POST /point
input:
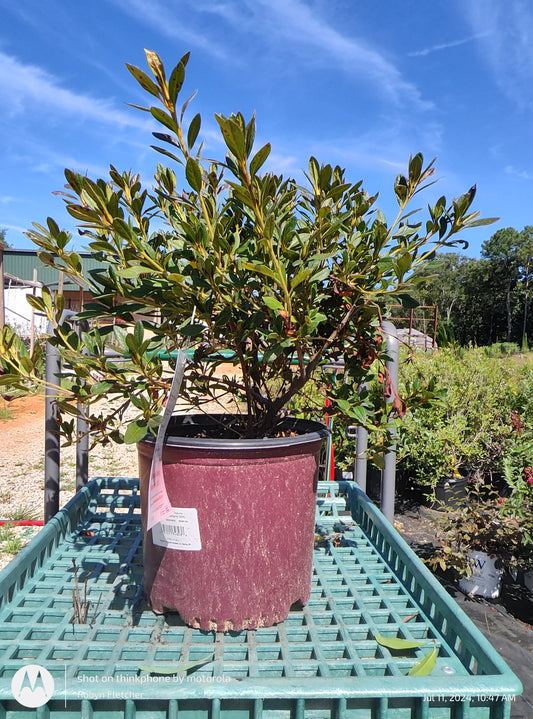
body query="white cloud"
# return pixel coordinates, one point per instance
(506, 33)
(292, 24)
(168, 19)
(296, 22)
(28, 85)
(446, 45)
(522, 174)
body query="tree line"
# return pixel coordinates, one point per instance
(485, 300)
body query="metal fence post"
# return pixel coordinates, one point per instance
(82, 450)
(388, 486)
(52, 444)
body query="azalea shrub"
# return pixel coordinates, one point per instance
(489, 523)
(481, 426)
(282, 277)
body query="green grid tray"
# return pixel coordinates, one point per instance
(323, 662)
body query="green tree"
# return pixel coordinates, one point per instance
(444, 289)
(502, 251)
(526, 261)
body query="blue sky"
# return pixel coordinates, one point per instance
(361, 84)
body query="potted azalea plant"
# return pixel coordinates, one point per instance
(270, 283)
(482, 537)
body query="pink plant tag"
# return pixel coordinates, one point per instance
(159, 507)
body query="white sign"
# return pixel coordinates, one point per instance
(180, 530)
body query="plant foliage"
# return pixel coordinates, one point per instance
(279, 278)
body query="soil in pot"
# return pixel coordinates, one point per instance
(237, 553)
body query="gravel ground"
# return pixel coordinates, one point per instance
(22, 469)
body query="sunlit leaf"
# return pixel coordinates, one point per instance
(398, 643)
(425, 666)
(135, 431)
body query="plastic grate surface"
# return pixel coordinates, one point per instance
(323, 661)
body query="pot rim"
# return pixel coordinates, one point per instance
(309, 431)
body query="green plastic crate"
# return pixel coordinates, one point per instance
(323, 662)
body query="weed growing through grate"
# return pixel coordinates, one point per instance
(82, 605)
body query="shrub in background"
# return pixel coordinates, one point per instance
(468, 432)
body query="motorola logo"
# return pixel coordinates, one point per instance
(32, 685)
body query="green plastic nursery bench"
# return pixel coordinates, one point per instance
(333, 659)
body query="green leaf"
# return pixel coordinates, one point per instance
(192, 330)
(164, 119)
(314, 170)
(484, 221)
(83, 213)
(139, 333)
(166, 153)
(36, 303)
(415, 167)
(425, 666)
(101, 387)
(403, 264)
(262, 269)
(359, 413)
(177, 77)
(300, 277)
(178, 668)
(135, 431)
(397, 643)
(233, 135)
(193, 173)
(132, 271)
(259, 158)
(194, 129)
(408, 302)
(144, 81)
(273, 303)
(46, 258)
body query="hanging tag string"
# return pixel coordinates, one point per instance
(159, 507)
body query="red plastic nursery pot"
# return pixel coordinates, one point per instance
(237, 552)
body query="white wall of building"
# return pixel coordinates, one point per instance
(18, 312)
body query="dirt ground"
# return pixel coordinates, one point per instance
(22, 468)
(26, 419)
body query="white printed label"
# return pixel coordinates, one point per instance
(180, 530)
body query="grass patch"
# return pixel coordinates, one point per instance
(5, 414)
(23, 514)
(10, 542)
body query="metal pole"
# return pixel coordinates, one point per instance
(82, 430)
(388, 487)
(361, 446)
(51, 437)
(2, 305)
(82, 450)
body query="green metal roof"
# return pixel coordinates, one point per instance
(21, 263)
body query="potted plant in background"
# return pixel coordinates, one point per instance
(277, 279)
(483, 537)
